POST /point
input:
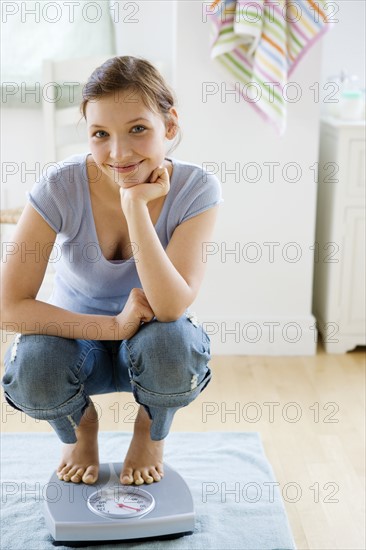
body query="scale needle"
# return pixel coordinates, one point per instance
(125, 506)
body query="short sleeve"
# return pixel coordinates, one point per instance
(49, 197)
(200, 194)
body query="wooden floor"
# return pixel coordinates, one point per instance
(310, 412)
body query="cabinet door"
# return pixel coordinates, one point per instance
(356, 169)
(352, 295)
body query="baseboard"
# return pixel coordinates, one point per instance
(262, 335)
(338, 337)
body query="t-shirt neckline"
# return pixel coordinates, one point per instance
(116, 263)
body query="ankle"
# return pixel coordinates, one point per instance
(143, 421)
(90, 415)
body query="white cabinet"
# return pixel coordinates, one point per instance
(339, 263)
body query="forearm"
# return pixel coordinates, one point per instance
(35, 317)
(166, 290)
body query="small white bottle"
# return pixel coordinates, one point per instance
(332, 93)
(351, 106)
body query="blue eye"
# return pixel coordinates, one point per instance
(138, 126)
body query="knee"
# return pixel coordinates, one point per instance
(172, 354)
(175, 343)
(33, 370)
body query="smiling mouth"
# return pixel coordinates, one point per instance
(127, 168)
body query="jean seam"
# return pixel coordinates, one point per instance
(83, 357)
(26, 409)
(131, 357)
(204, 380)
(115, 370)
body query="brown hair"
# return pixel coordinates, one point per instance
(128, 73)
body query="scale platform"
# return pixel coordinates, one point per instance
(108, 511)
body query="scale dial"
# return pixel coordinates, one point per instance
(121, 502)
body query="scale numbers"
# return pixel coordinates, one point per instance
(121, 502)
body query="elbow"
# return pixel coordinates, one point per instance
(169, 316)
(170, 312)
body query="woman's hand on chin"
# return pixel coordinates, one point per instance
(158, 186)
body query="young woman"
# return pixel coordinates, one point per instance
(128, 224)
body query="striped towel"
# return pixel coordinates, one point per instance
(260, 44)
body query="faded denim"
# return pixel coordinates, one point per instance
(51, 378)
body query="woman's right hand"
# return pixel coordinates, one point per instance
(137, 310)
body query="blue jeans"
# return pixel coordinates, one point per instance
(165, 365)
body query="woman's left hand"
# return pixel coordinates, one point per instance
(158, 186)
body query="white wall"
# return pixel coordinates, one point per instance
(21, 152)
(148, 29)
(345, 46)
(240, 298)
(236, 295)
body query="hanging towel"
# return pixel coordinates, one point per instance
(260, 43)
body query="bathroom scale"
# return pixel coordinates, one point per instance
(76, 513)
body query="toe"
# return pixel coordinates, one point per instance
(126, 480)
(126, 476)
(138, 478)
(61, 466)
(154, 474)
(72, 471)
(91, 475)
(64, 473)
(62, 470)
(78, 475)
(147, 477)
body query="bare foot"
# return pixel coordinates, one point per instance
(144, 459)
(80, 461)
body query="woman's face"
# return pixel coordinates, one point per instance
(126, 139)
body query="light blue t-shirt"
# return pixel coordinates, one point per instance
(85, 281)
